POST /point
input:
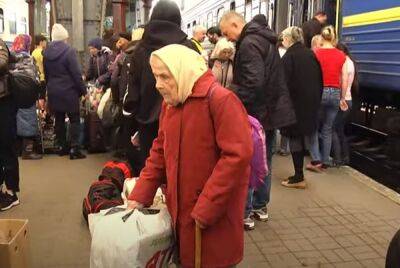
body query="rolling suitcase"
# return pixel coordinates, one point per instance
(94, 133)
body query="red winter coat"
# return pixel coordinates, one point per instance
(202, 153)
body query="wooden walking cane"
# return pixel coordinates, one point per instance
(197, 258)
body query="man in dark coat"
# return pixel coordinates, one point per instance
(143, 100)
(313, 27)
(9, 170)
(64, 88)
(304, 79)
(258, 80)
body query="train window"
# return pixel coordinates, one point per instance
(209, 20)
(248, 11)
(1, 20)
(233, 5)
(12, 21)
(194, 23)
(220, 12)
(22, 27)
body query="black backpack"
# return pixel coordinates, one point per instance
(102, 195)
(24, 81)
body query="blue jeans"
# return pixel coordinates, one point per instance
(312, 144)
(329, 109)
(340, 146)
(258, 199)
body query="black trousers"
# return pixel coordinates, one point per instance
(74, 120)
(297, 149)
(9, 169)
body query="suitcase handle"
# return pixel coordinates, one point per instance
(197, 260)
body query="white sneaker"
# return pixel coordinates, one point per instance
(249, 224)
(261, 214)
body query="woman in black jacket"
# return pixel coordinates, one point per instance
(304, 80)
(143, 100)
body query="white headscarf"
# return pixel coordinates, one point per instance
(186, 66)
(222, 44)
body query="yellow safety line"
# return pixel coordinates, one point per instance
(373, 17)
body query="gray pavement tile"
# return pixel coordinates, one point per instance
(252, 260)
(256, 235)
(320, 221)
(366, 255)
(292, 245)
(381, 249)
(359, 249)
(270, 244)
(352, 264)
(343, 254)
(305, 244)
(336, 230)
(289, 259)
(312, 257)
(291, 236)
(355, 240)
(369, 264)
(251, 249)
(254, 265)
(274, 250)
(331, 256)
(343, 241)
(367, 238)
(380, 262)
(322, 243)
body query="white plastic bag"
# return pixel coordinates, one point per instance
(103, 102)
(129, 184)
(141, 241)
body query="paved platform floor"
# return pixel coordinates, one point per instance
(337, 222)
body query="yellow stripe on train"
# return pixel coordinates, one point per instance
(373, 17)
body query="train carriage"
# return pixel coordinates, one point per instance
(372, 32)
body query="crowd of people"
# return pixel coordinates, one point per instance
(183, 115)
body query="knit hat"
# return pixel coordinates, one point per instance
(59, 33)
(125, 35)
(96, 43)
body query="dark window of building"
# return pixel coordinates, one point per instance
(1, 20)
(233, 5)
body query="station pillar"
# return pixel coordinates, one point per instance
(119, 13)
(31, 5)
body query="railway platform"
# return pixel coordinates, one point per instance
(343, 219)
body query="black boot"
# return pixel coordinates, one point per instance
(27, 152)
(75, 153)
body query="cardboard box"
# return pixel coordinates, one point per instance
(14, 243)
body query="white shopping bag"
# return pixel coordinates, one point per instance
(131, 239)
(129, 184)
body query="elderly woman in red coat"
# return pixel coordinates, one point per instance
(202, 153)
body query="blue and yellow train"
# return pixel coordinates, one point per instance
(371, 29)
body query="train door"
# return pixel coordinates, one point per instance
(267, 7)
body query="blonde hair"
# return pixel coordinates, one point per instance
(315, 40)
(328, 34)
(137, 34)
(294, 33)
(232, 15)
(222, 44)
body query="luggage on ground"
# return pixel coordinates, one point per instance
(94, 133)
(139, 238)
(117, 172)
(102, 195)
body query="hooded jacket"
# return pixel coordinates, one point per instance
(258, 76)
(119, 77)
(63, 77)
(98, 67)
(143, 99)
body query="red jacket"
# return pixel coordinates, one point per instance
(202, 153)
